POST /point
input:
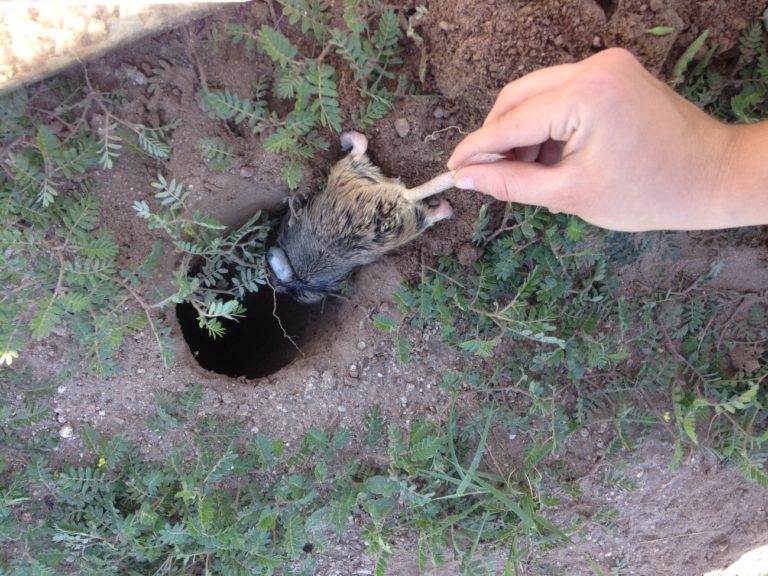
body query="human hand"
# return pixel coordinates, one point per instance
(607, 141)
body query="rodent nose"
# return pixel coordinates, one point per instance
(280, 264)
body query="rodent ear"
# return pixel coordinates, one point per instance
(280, 264)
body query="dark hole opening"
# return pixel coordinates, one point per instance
(254, 346)
(608, 6)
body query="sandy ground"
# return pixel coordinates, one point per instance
(698, 519)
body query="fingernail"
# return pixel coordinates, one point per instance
(464, 183)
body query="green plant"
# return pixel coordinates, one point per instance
(218, 154)
(173, 410)
(59, 264)
(544, 305)
(309, 83)
(739, 93)
(223, 506)
(228, 265)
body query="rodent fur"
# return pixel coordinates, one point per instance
(359, 216)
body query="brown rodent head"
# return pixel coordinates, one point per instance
(359, 216)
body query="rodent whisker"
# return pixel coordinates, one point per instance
(277, 317)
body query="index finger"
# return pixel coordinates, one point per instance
(549, 116)
(529, 86)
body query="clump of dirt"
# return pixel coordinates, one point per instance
(474, 49)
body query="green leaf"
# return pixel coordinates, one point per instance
(341, 509)
(353, 19)
(294, 537)
(218, 153)
(403, 350)
(484, 348)
(47, 142)
(678, 72)
(281, 141)
(379, 508)
(227, 105)
(576, 229)
(382, 486)
(264, 449)
(287, 81)
(277, 46)
(47, 316)
(313, 15)
(387, 35)
(152, 144)
(110, 145)
(292, 173)
(426, 449)
(384, 322)
(322, 82)
(660, 30)
(374, 424)
(689, 425)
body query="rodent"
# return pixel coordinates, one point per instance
(359, 216)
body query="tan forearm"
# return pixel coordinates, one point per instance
(740, 196)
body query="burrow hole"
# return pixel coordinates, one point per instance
(608, 6)
(257, 346)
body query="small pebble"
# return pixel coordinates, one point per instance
(247, 171)
(133, 73)
(597, 42)
(402, 127)
(66, 432)
(353, 372)
(438, 112)
(446, 26)
(61, 389)
(361, 345)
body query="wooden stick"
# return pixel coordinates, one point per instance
(444, 181)
(435, 186)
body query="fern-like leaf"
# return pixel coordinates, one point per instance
(110, 145)
(292, 174)
(218, 154)
(280, 141)
(350, 48)
(374, 110)
(170, 194)
(287, 81)
(752, 43)
(151, 143)
(678, 72)
(277, 46)
(227, 105)
(239, 32)
(322, 79)
(313, 14)
(294, 536)
(387, 37)
(47, 315)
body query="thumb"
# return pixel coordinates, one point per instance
(523, 182)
